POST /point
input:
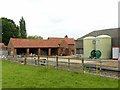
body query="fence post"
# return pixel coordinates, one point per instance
(25, 61)
(35, 61)
(83, 65)
(57, 62)
(69, 63)
(100, 65)
(38, 59)
(96, 68)
(47, 61)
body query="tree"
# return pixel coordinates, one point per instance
(66, 36)
(35, 37)
(22, 28)
(9, 30)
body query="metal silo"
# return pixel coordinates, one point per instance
(88, 46)
(103, 43)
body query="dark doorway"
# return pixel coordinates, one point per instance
(21, 51)
(44, 52)
(33, 51)
(54, 51)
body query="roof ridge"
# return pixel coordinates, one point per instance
(28, 39)
(107, 29)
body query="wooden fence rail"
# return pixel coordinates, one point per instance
(73, 64)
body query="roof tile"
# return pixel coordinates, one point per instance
(50, 42)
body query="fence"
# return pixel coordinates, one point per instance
(78, 65)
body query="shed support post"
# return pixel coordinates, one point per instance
(49, 52)
(58, 51)
(27, 51)
(38, 51)
(15, 51)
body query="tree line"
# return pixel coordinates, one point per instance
(11, 30)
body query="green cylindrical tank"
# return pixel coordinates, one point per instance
(88, 46)
(103, 43)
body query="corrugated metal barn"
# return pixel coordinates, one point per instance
(114, 33)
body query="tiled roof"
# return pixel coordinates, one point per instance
(70, 40)
(59, 40)
(31, 43)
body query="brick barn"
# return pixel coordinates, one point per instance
(3, 49)
(2, 46)
(49, 47)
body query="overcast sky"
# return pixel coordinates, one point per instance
(57, 18)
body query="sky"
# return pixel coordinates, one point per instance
(57, 18)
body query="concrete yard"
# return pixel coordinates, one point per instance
(106, 63)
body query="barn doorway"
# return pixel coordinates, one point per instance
(21, 51)
(44, 52)
(33, 51)
(54, 51)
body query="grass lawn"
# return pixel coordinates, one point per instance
(25, 76)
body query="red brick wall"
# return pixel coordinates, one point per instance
(72, 49)
(3, 48)
(10, 47)
(67, 49)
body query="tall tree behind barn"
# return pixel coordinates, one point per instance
(23, 33)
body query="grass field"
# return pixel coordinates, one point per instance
(25, 76)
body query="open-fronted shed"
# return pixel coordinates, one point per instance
(51, 46)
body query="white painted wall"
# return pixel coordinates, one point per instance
(115, 52)
(3, 52)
